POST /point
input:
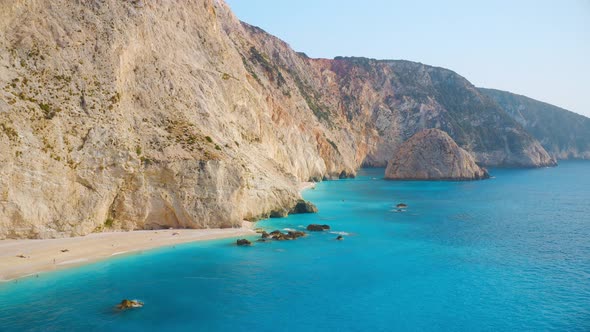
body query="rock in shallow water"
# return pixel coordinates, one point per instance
(280, 236)
(243, 242)
(318, 228)
(129, 304)
(433, 155)
(295, 234)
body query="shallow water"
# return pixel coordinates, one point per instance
(510, 253)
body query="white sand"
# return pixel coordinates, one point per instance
(47, 255)
(303, 186)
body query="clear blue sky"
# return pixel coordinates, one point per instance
(540, 49)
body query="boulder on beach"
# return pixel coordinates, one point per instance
(318, 228)
(433, 155)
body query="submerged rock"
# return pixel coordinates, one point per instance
(303, 206)
(318, 228)
(243, 242)
(280, 236)
(295, 234)
(129, 304)
(433, 155)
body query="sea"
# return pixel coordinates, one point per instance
(511, 253)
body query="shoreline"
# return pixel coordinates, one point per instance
(303, 186)
(46, 255)
(39, 256)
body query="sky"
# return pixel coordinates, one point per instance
(540, 49)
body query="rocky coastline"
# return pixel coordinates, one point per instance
(202, 124)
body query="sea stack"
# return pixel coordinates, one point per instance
(433, 155)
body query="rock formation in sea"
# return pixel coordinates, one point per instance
(280, 236)
(243, 242)
(123, 115)
(564, 134)
(318, 228)
(433, 155)
(129, 304)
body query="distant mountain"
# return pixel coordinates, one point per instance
(405, 97)
(564, 134)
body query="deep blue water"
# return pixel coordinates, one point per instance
(507, 254)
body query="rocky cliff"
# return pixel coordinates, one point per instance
(389, 101)
(433, 155)
(147, 114)
(564, 134)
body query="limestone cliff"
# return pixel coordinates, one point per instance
(433, 155)
(147, 114)
(136, 114)
(564, 134)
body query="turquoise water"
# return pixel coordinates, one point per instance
(507, 254)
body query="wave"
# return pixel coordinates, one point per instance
(341, 233)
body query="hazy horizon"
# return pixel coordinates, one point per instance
(531, 48)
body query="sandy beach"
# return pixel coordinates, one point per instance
(20, 258)
(306, 185)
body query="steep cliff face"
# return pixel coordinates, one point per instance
(132, 114)
(433, 155)
(147, 114)
(564, 134)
